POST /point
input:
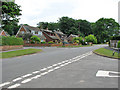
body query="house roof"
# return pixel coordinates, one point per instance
(47, 30)
(4, 31)
(59, 32)
(41, 36)
(29, 28)
(74, 35)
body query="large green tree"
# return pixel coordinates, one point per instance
(84, 27)
(67, 24)
(104, 28)
(9, 17)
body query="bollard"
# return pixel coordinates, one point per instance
(113, 53)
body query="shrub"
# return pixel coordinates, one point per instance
(50, 42)
(78, 39)
(118, 46)
(10, 40)
(91, 38)
(35, 39)
(43, 42)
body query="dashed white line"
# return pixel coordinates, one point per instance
(3, 84)
(49, 67)
(35, 72)
(26, 80)
(17, 79)
(50, 70)
(43, 69)
(14, 86)
(27, 75)
(44, 73)
(35, 77)
(54, 65)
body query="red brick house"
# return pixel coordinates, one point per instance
(30, 29)
(50, 36)
(3, 33)
(70, 38)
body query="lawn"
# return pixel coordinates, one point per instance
(19, 53)
(106, 52)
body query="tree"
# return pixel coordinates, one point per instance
(91, 38)
(84, 27)
(65, 24)
(9, 17)
(25, 36)
(42, 25)
(104, 28)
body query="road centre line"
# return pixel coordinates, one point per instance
(14, 86)
(63, 63)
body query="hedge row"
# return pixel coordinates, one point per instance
(115, 38)
(10, 41)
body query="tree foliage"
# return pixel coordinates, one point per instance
(35, 39)
(91, 38)
(9, 17)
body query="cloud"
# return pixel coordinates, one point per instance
(34, 11)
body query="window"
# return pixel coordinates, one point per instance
(36, 32)
(40, 33)
(22, 32)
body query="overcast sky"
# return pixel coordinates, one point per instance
(34, 11)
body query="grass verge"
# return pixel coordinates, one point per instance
(18, 53)
(106, 52)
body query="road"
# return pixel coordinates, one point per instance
(59, 68)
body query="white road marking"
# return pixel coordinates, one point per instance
(54, 65)
(50, 70)
(49, 67)
(17, 79)
(3, 84)
(63, 63)
(35, 77)
(14, 86)
(36, 72)
(43, 69)
(44, 73)
(56, 68)
(27, 75)
(102, 73)
(26, 80)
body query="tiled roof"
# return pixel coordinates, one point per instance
(29, 28)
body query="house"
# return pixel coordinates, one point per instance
(50, 36)
(61, 36)
(3, 33)
(30, 29)
(70, 38)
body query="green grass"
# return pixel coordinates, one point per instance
(74, 46)
(106, 52)
(18, 53)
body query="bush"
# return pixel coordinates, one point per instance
(91, 38)
(118, 46)
(50, 42)
(78, 40)
(10, 41)
(35, 39)
(43, 42)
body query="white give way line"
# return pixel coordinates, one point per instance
(37, 74)
(102, 73)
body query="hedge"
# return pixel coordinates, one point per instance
(115, 38)
(118, 44)
(10, 41)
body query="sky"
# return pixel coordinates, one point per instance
(35, 11)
